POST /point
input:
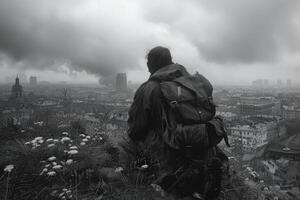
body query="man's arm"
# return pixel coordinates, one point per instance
(138, 117)
(145, 112)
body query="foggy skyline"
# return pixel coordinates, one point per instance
(232, 42)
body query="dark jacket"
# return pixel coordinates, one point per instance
(148, 111)
(150, 129)
(145, 113)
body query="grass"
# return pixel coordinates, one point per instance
(48, 169)
(36, 176)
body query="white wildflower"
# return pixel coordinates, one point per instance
(119, 169)
(48, 165)
(82, 143)
(85, 140)
(41, 141)
(44, 170)
(27, 143)
(65, 133)
(49, 140)
(144, 166)
(38, 138)
(88, 137)
(51, 173)
(54, 163)
(65, 151)
(73, 147)
(61, 194)
(51, 145)
(100, 138)
(73, 152)
(52, 158)
(9, 168)
(65, 139)
(64, 189)
(55, 140)
(82, 135)
(69, 161)
(57, 167)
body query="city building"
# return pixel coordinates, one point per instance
(266, 82)
(258, 106)
(227, 116)
(258, 83)
(279, 83)
(121, 82)
(290, 112)
(33, 81)
(17, 89)
(256, 132)
(250, 137)
(288, 83)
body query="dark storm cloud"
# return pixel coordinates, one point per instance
(255, 31)
(103, 37)
(41, 34)
(233, 31)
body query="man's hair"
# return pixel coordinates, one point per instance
(158, 57)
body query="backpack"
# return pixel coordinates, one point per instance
(189, 100)
(188, 108)
(190, 114)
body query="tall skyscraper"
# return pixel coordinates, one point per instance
(258, 83)
(288, 83)
(17, 89)
(33, 80)
(266, 82)
(121, 82)
(279, 83)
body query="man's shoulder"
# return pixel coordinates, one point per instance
(148, 88)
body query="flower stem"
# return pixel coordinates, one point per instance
(7, 185)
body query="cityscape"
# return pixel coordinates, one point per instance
(149, 100)
(262, 123)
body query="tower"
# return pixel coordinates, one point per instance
(266, 82)
(33, 80)
(288, 83)
(17, 89)
(279, 83)
(121, 82)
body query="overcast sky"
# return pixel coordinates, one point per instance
(230, 42)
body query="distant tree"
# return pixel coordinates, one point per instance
(77, 127)
(292, 126)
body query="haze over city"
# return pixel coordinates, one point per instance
(96, 102)
(232, 42)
